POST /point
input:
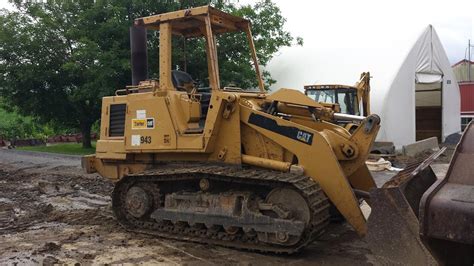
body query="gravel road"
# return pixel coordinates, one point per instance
(51, 212)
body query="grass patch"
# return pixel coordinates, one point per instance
(62, 148)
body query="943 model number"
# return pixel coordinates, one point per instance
(145, 140)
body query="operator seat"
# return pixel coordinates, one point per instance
(182, 81)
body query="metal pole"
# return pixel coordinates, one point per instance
(469, 60)
(347, 117)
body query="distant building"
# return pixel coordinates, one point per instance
(461, 72)
(466, 88)
(423, 98)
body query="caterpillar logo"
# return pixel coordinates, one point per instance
(287, 131)
(304, 136)
(150, 123)
(147, 123)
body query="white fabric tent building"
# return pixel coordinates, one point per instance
(423, 99)
(413, 87)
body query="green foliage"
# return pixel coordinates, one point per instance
(13, 125)
(63, 148)
(235, 64)
(59, 58)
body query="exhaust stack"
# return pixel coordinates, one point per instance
(139, 57)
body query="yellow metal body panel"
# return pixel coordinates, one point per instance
(186, 112)
(159, 135)
(111, 149)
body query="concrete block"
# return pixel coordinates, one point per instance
(383, 147)
(421, 146)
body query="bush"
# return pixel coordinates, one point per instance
(13, 125)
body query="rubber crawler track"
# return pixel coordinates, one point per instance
(309, 189)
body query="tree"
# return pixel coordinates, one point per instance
(59, 58)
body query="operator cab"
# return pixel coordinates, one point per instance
(188, 60)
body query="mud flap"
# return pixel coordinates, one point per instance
(87, 163)
(393, 226)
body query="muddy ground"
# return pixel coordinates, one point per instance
(51, 212)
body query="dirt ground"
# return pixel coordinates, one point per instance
(51, 212)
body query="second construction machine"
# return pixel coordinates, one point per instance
(352, 100)
(225, 165)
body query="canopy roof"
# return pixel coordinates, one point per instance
(189, 22)
(328, 87)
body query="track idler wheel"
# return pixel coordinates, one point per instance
(138, 202)
(291, 201)
(287, 204)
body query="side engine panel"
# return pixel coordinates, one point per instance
(148, 124)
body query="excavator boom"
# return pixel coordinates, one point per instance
(363, 92)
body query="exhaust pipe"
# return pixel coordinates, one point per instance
(139, 57)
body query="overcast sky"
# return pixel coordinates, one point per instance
(350, 21)
(342, 38)
(4, 4)
(453, 20)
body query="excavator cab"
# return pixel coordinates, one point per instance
(345, 97)
(351, 100)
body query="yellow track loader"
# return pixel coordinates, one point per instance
(231, 166)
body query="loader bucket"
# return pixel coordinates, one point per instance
(419, 220)
(393, 227)
(447, 208)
